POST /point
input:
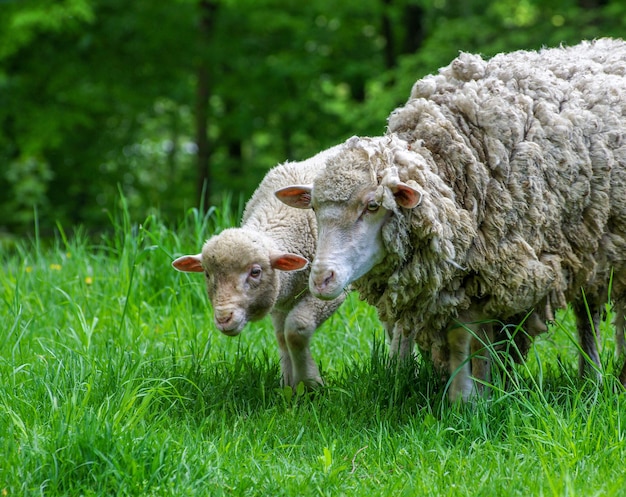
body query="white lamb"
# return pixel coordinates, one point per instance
(498, 189)
(258, 269)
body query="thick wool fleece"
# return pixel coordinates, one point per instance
(521, 161)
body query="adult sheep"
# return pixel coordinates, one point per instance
(254, 270)
(499, 188)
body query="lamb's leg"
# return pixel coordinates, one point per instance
(302, 321)
(588, 338)
(278, 319)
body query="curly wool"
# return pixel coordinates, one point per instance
(521, 161)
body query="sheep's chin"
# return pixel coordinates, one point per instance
(327, 293)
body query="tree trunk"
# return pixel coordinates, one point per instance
(203, 92)
(413, 20)
(389, 52)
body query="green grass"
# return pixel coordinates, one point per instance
(113, 381)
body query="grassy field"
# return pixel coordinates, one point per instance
(113, 381)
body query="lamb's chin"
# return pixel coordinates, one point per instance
(231, 333)
(231, 329)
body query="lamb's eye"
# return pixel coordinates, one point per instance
(373, 206)
(255, 272)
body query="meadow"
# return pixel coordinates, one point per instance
(114, 381)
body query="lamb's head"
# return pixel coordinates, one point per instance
(353, 198)
(241, 271)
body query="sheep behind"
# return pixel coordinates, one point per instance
(521, 109)
(497, 190)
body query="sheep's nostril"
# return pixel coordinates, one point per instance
(328, 279)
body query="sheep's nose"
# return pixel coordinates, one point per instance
(322, 279)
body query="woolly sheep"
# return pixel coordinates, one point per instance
(253, 270)
(498, 188)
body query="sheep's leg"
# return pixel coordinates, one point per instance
(619, 323)
(461, 384)
(300, 325)
(401, 342)
(588, 338)
(620, 346)
(481, 356)
(286, 368)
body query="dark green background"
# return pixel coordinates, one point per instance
(152, 99)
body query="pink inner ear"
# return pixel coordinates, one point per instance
(189, 264)
(406, 196)
(289, 262)
(295, 196)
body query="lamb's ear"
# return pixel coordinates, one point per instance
(288, 262)
(298, 196)
(406, 196)
(189, 263)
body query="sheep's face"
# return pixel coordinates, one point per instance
(351, 204)
(241, 275)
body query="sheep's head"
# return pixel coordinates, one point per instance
(241, 271)
(352, 198)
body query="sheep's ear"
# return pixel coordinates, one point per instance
(406, 196)
(189, 263)
(298, 196)
(288, 262)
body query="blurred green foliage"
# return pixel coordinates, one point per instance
(98, 96)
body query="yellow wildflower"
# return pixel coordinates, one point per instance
(88, 280)
(55, 267)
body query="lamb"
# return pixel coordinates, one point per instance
(498, 189)
(259, 268)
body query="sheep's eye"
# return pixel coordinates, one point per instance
(373, 206)
(255, 272)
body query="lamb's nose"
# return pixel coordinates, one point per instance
(223, 319)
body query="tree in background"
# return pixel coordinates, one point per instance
(165, 100)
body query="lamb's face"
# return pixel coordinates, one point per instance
(241, 275)
(240, 282)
